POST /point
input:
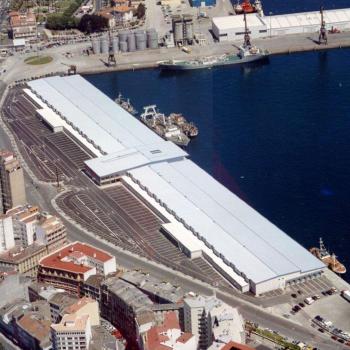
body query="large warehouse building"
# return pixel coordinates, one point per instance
(231, 28)
(203, 216)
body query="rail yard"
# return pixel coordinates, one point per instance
(115, 213)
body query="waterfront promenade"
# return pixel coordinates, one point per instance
(17, 69)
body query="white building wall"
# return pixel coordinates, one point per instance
(7, 239)
(110, 266)
(41, 235)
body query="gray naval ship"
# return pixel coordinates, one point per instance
(247, 53)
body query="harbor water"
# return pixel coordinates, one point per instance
(276, 134)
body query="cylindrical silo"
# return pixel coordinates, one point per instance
(141, 40)
(131, 42)
(115, 44)
(123, 34)
(152, 39)
(189, 31)
(123, 45)
(178, 32)
(104, 45)
(96, 46)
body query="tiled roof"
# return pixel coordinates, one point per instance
(55, 260)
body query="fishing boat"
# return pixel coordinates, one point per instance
(329, 259)
(164, 126)
(125, 104)
(247, 7)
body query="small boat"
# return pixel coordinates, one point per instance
(247, 7)
(189, 128)
(329, 259)
(125, 104)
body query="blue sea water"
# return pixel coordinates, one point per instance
(276, 134)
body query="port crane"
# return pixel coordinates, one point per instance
(322, 39)
(72, 68)
(247, 43)
(111, 57)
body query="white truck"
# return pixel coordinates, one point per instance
(346, 295)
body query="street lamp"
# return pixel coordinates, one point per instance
(270, 14)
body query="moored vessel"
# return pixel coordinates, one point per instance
(329, 259)
(164, 126)
(247, 7)
(125, 104)
(247, 53)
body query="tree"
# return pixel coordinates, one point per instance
(92, 23)
(140, 11)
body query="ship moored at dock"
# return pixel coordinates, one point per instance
(329, 259)
(164, 126)
(247, 53)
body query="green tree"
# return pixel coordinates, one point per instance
(92, 23)
(140, 11)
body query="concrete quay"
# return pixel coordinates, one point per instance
(16, 68)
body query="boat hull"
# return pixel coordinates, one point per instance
(184, 66)
(332, 264)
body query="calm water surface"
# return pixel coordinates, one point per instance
(278, 134)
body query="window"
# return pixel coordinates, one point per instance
(263, 31)
(242, 33)
(222, 35)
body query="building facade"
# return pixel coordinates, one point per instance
(11, 181)
(24, 260)
(73, 332)
(127, 308)
(7, 240)
(22, 25)
(69, 267)
(24, 219)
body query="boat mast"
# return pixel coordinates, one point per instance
(247, 43)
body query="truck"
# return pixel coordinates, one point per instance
(346, 295)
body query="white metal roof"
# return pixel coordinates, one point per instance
(250, 242)
(228, 22)
(124, 160)
(93, 112)
(256, 247)
(304, 19)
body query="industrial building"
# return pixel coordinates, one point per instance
(231, 28)
(203, 216)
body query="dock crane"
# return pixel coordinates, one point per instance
(322, 39)
(247, 43)
(72, 68)
(111, 57)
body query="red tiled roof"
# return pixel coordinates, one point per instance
(156, 335)
(184, 338)
(54, 260)
(122, 8)
(236, 346)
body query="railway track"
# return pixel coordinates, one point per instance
(115, 214)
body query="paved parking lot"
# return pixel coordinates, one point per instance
(333, 308)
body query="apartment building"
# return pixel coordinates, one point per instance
(69, 267)
(11, 181)
(7, 240)
(73, 332)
